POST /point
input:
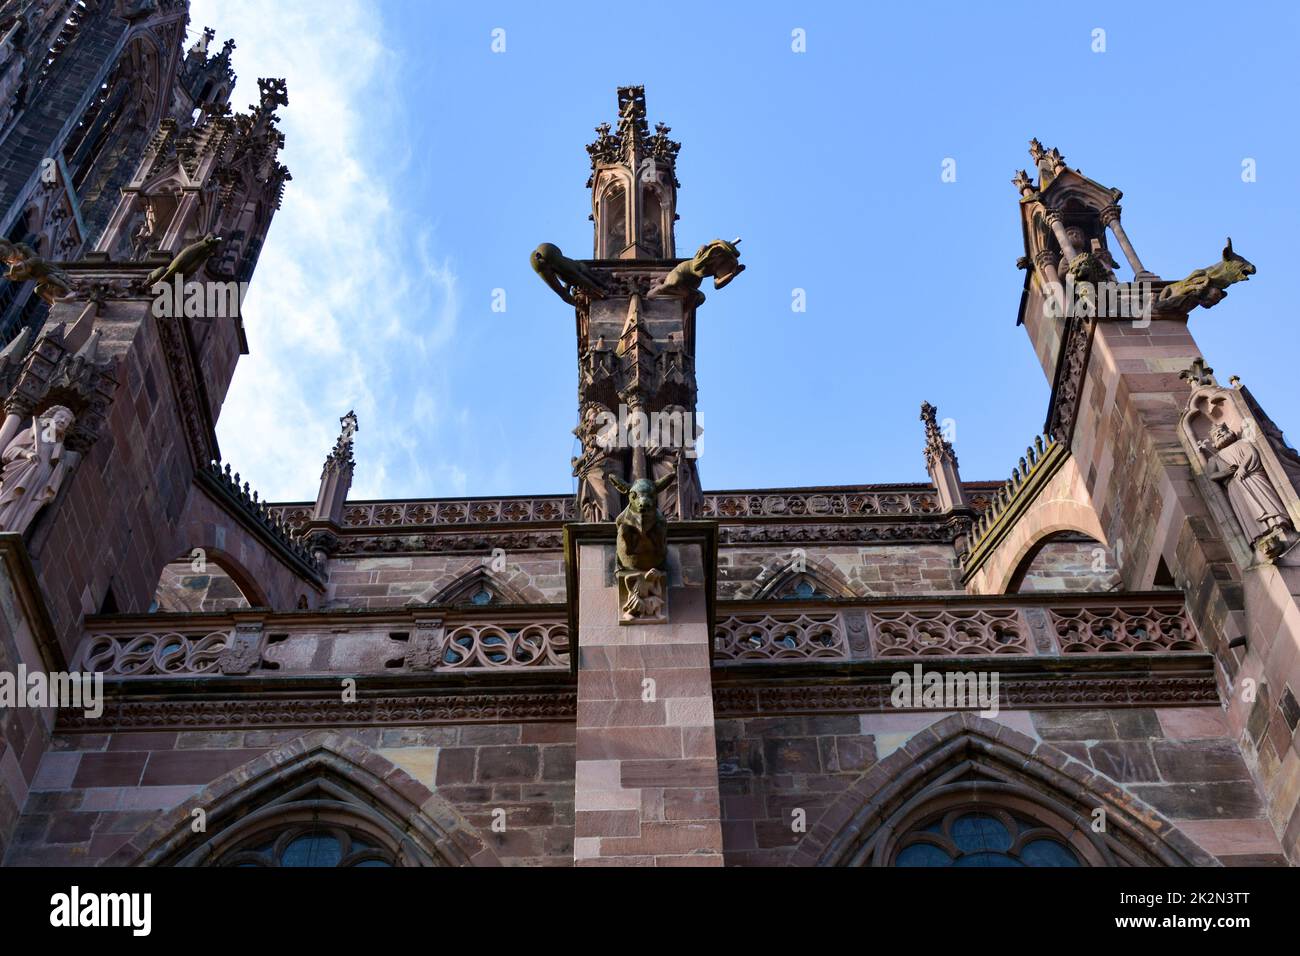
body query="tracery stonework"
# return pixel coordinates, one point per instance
(644, 671)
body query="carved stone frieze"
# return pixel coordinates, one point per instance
(1015, 692)
(558, 703)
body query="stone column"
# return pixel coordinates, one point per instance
(646, 783)
(1110, 218)
(1063, 240)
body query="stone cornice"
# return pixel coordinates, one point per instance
(250, 703)
(818, 687)
(884, 513)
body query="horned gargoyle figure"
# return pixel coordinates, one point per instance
(719, 258)
(186, 262)
(51, 282)
(1206, 287)
(642, 549)
(564, 275)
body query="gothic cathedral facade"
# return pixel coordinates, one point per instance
(1093, 663)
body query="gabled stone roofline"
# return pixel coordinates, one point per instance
(881, 487)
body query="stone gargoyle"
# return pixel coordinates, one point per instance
(1206, 287)
(564, 275)
(641, 550)
(186, 262)
(719, 258)
(51, 282)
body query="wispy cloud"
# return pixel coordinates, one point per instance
(350, 302)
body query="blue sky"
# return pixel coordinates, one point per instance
(426, 168)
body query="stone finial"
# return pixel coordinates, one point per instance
(936, 447)
(941, 462)
(336, 476)
(341, 455)
(1049, 162)
(1198, 373)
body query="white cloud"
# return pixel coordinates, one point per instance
(344, 311)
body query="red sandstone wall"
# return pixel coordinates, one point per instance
(1071, 566)
(1180, 761)
(383, 582)
(872, 571)
(94, 791)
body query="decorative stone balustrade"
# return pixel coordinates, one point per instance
(783, 504)
(189, 645)
(1042, 626)
(463, 640)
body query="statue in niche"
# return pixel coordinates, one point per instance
(1235, 463)
(669, 455)
(564, 275)
(33, 466)
(641, 552)
(142, 237)
(719, 258)
(52, 283)
(597, 497)
(1206, 287)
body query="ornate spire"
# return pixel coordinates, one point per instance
(941, 463)
(335, 480)
(633, 184)
(936, 448)
(632, 142)
(1049, 162)
(342, 453)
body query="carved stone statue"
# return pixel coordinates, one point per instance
(1235, 463)
(642, 552)
(719, 258)
(669, 458)
(1206, 287)
(142, 237)
(562, 274)
(51, 282)
(597, 497)
(186, 262)
(32, 468)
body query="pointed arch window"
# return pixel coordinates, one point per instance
(308, 845)
(983, 836)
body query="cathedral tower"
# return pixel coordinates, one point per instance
(635, 306)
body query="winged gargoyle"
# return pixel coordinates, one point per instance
(1206, 287)
(719, 258)
(51, 282)
(564, 275)
(186, 262)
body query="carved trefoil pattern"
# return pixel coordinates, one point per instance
(948, 633)
(1123, 630)
(765, 637)
(540, 645)
(381, 648)
(152, 654)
